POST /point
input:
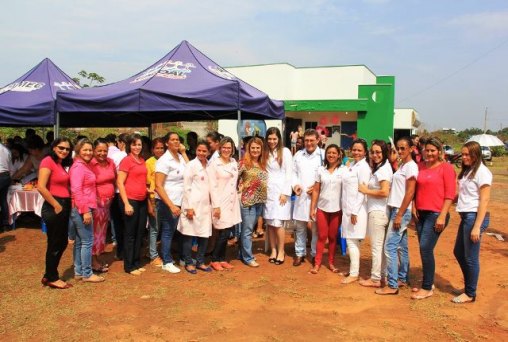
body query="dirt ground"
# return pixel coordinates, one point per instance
(270, 303)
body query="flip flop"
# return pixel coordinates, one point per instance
(382, 293)
(457, 300)
(419, 297)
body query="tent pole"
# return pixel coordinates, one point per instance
(238, 130)
(56, 126)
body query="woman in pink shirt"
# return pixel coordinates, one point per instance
(53, 185)
(131, 182)
(435, 191)
(105, 177)
(84, 201)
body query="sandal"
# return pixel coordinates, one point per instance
(190, 270)
(418, 296)
(102, 269)
(334, 269)
(314, 270)
(460, 299)
(204, 268)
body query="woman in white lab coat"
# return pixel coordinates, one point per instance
(278, 205)
(196, 217)
(354, 206)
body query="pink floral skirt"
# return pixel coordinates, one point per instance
(100, 225)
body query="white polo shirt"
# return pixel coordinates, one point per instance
(405, 172)
(305, 166)
(469, 189)
(384, 173)
(173, 170)
(331, 188)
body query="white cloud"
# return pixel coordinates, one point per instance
(482, 23)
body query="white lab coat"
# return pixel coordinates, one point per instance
(196, 196)
(353, 201)
(223, 191)
(279, 182)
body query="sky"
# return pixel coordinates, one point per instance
(448, 56)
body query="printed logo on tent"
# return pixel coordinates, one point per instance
(221, 72)
(23, 87)
(66, 85)
(176, 70)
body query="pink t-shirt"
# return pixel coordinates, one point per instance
(135, 183)
(83, 190)
(434, 185)
(105, 176)
(58, 182)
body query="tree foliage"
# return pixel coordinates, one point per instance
(89, 77)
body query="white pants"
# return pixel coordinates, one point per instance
(353, 246)
(378, 221)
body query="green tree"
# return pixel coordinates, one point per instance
(91, 77)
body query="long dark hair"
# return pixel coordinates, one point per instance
(475, 152)
(384, 152)
(68, 160)
(339, 151)
(21, 151)
(279, 147)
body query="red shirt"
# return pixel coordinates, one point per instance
(105, 176)
(135, 183)
(58, 182)
(434, 185)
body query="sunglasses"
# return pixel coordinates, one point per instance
(401, 148)
(63, 148)
(376, 152)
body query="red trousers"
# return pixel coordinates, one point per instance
(327, 228)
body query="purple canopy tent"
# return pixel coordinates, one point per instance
(184, 85)
(30, 100)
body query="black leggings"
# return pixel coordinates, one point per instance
(219, 252)
(57, 226)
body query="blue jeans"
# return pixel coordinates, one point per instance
(467, 252)
(427, 237)
(153, 226)
(249, 221)
(83, 245)
(396, 248)
(168, 224)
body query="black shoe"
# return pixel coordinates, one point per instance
(272, 260)
(279, 262)
(297, 261)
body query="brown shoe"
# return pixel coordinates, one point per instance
(297, 261)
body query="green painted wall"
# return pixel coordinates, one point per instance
(375, 107)
(377, 121)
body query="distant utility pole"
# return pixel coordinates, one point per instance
(485, 121)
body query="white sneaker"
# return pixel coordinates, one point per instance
(171, 268)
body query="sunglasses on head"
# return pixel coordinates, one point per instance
(63, 148)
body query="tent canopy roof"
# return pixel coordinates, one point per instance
(30, 100)
(184, 85)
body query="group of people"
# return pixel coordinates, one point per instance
(211, 197)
